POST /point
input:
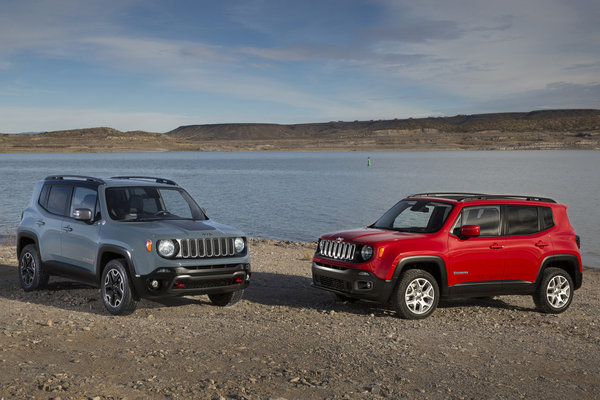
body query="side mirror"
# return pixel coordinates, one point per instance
(82, 214)
(470, 230)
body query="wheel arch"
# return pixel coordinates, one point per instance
(25, 239)
(566, 262)
(107, 253)
(435, 265)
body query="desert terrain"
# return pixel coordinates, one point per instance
(536, 130)
(286, 340)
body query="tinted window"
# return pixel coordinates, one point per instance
(150, 203)
(415, 216)
(83, 197)
(44, 196)
(58, 199)
(522, 220)
(546, 218)
(486, 217)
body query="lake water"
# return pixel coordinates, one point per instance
(298, 196)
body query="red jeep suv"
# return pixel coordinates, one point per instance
(453, 245)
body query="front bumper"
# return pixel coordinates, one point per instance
(357, 284)
(193, 280)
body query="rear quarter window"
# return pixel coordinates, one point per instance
(546, 218)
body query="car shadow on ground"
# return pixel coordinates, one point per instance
(269, 289)
(487, 302)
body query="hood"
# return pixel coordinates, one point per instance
(181, 229)
(371, 235)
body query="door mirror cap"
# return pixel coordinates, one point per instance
(470, 230)
(82, 214)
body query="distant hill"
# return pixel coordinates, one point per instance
(548, 129)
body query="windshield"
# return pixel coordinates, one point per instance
(147, 203)
(415, 216)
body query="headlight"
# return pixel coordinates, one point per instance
(239, 245)
(166, 248)
(366, 252)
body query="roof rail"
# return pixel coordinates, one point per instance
(480, 196)
(449, 195)
(510, 197)
(82, 177)
(147, 178)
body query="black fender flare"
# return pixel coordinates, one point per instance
(437, 269)
(123, 252)
(28, 235)
(569, 260)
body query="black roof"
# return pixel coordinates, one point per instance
(458, 196)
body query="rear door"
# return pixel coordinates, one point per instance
(527, 241)
(55, 200)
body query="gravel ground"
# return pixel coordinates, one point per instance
(288, 340)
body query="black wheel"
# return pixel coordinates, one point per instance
(117, 292)
(555, 292)
(226, 299)
(31, 273)
(416, 295)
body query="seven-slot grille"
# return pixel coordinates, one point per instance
(337, 250)
(206, 248)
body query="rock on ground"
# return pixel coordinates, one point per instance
(286, 340)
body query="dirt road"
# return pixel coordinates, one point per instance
(287, 340)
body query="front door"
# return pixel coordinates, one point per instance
(476, 263)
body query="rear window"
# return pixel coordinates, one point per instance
(527, 220)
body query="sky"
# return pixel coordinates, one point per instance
(155, 65)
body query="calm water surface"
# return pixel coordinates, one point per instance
(298, 196)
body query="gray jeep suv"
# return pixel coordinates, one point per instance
(135, 237)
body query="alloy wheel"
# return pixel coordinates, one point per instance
(27, 269)
(113, 287)
(558, 291)
(419, 296)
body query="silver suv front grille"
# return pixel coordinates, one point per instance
(205, 248)
(337, 250)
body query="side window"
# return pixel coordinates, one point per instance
(486, 217)
(546, 218)
(84, 197)
(522, 220)
(58, 199)
(43, 200)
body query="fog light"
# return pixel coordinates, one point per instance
(154, 284)
(364, 285)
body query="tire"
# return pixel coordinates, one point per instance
(31, 273)
(226, 299)
(417, 294)
(116, 289)
(555, 292)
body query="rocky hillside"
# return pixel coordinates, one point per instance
(550, 129)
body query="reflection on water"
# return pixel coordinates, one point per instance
(298, 196)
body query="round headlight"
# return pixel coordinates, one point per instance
(166, 248)
(239, 245)
(366, 252)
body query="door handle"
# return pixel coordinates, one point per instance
(67, 228)
(541, 244)
(496, 246)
